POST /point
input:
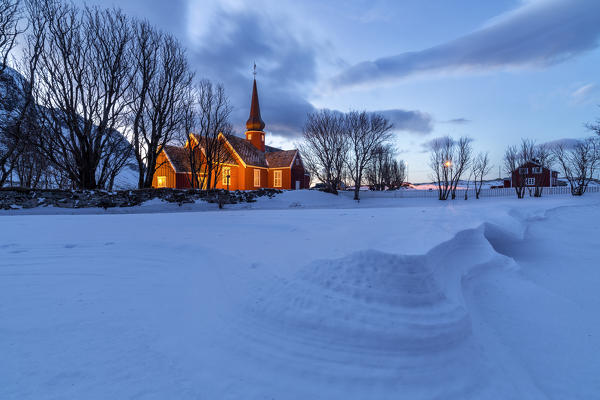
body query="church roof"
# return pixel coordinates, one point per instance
(178, 157)
(250, 155)
(281, 158)
(226, 157)
(246, 150)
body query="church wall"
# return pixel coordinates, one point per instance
(165, 170)
(298, 174)
(234, 181)
(286, 178)
(249, 178)
(183, 180)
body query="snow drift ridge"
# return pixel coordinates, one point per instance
(373, 324)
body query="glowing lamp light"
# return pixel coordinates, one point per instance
(448, 164)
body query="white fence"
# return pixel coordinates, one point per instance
(460, 193)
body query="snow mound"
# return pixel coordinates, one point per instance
(369, 301)
(303, 199)
(374, 324)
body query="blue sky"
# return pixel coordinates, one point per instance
(496, 71)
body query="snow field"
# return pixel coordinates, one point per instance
(290, 299)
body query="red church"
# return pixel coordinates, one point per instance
(249, 164)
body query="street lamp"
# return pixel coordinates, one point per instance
(448, 164)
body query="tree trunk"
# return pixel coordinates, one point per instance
(357, 187)
(88, 178)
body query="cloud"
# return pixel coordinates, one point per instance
(569, 143)
(287, 72)
(409, 121)
(286, 65)
(458, 121)
(538, 33)
(433, 143)
(439, 141)
(584, 93)
(167, 15)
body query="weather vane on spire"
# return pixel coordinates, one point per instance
(254, 72)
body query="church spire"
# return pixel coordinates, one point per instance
(255, 122)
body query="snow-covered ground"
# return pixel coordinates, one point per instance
(304, 296)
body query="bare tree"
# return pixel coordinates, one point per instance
(440, 155)
(116, 154)
(8, 157)
(214, 110)
(461, 161)
(366, 132)
(515, 157)
(324, 147)
(384, 171)
(395, 174)
(207, 150)
(82, 80)
(145, 50)
(375, 170)
(191, 142)
(449, 160)
(24, 124)
(160, 96)
(10, 17)
(594, 127)
(512, 161)
(543, 157)
(579, 163)
(480, 168)
(468, 184)
(31, 168)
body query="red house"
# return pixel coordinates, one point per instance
(532, 174)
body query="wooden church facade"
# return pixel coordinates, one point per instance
(248, 163)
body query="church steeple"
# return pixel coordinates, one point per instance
(255, 122)
(255, 125)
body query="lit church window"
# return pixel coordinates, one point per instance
(257, 177)
(277, 178)
(162, 181)
(226, 174)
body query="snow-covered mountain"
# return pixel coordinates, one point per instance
(12, 100)
(12, 94)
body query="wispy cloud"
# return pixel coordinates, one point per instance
(409, 121)
(438, 141)
(585, 93)
(458, 121)
(567, 142)
(538, 33)
(286, 61)
(287, 66)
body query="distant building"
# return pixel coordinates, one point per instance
(532, 174)
(249, 164)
